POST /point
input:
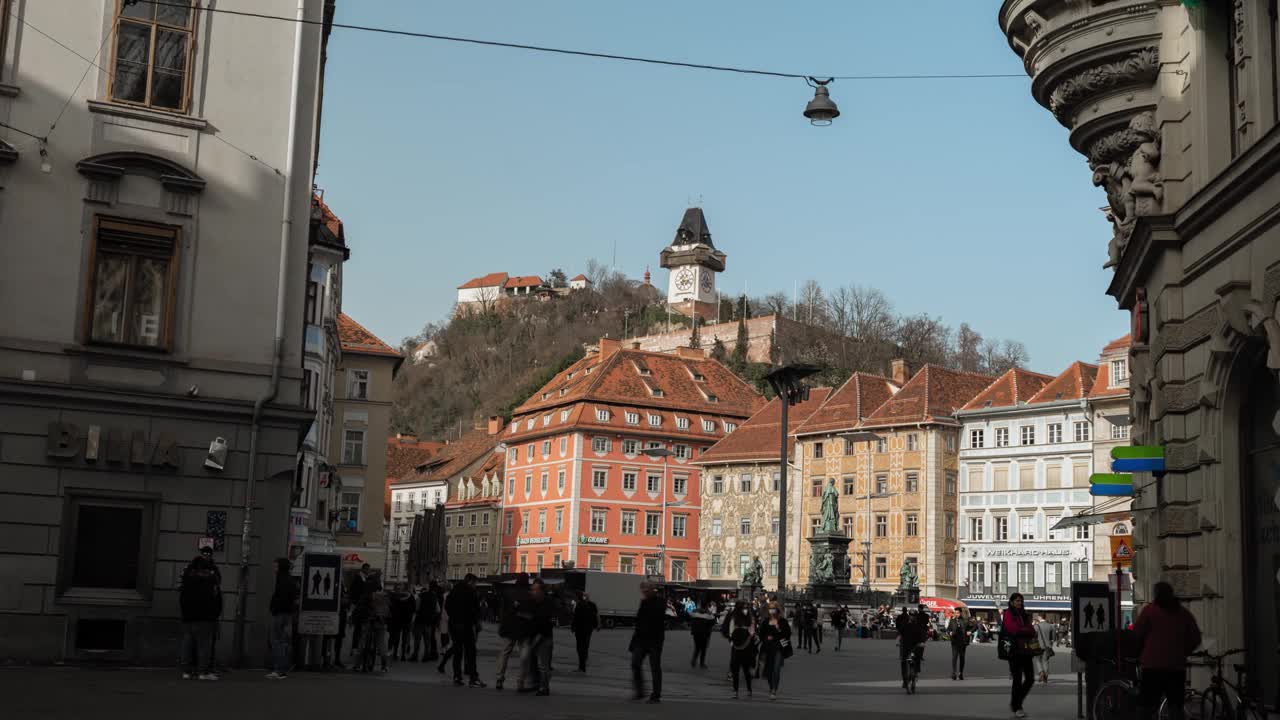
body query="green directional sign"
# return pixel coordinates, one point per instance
(1111, 479)
(1137, 452)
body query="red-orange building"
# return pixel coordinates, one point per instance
(578, 484)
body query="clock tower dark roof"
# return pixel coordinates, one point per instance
(692, 244)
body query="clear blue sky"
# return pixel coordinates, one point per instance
(959, 198)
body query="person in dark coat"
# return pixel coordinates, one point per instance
(647, 640)
(513, 630)
(200, 600)
(702, 623)
(586, 620)
(359, 602)
(463, 607)
(1167, 633)
(401, 624)
(426, 615)
(536, 661)
(284, 603)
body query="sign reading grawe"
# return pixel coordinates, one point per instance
(64, 441)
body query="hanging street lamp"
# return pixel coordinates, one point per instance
(821, 110)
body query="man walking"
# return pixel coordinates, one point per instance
(200, 599)
(701, 623)
(586, 620)
(284, 602)
(647, 640)
(513, 631)
(426, 614)
(463, 606)
(542, 622)
(839, 619)
(359, 600)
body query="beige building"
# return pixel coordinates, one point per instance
(362, 417)
(471, 517)
(1174, 106)
(899, 492)
(152, 277)
(1108, 404)
(740, 499)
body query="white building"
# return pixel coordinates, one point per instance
(1025, 459)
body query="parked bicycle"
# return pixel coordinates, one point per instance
(1222, 699)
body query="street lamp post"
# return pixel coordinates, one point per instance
(662, 539)
(786, 383)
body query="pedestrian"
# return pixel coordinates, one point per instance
(958, 630)
(839, 619)
(1046, 633)
(359, 600)
(911, 637)
(1167, 633)
(512, 630)
(200, 600)
(447, 644)
(333, 643)
(701, 622)
(586, 620)
(775, 642)
(425, 615)
(1016, 637)
(647, 641)
(400, 624)
(375, 633)
(538, 651)
(740, 629)
(284, 602)
(463, 606)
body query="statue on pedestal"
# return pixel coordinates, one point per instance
(907, 577)
(830, 508)
(754, 576)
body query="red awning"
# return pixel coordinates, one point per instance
(941, 604)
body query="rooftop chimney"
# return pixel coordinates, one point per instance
(495, 424)
(691, 353)
(635, 344)
(609, 346)
(899, 372)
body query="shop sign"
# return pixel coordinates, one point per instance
(590, 540)
(64, 442)
(533, 540)
(1028, 552)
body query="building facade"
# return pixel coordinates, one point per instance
(362, 409)
(471, 519)
(1174, 106)
(740, 498)
(1025, 459)
(899, 491)
(162, 290)
(1109, 406)
(579, 484)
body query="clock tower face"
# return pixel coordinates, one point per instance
(707, 282)
(684, 278)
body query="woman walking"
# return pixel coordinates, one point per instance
(1016, 635)
(775, 640)
(740, 628)
(1167, 634)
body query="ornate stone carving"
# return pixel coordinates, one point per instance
(1126, 164)
(1141, 67)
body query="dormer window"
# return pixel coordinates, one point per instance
(528, 424)
(563, 391)
(656, 392)
(570, 375)
(654, 419)
(642, 368)
(546, 395)
(588, 370)
(546, 419)
(515, 426)
(730, 427)
(564, 415)
(697, 376)
(682, 423)
(633, 418)
(711, 398)
(708, 426)
(602, 415)
(1119, 372)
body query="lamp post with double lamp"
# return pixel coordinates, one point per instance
(867, 437)
(655, 453)
(786, 383)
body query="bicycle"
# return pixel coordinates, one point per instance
(913, 668)
(1215, 701)
(1118, 699)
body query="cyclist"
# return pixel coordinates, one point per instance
(911, 636)
(1167, 633)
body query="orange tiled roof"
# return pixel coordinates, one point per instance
(356, 339)
(758, 438)
(1120, 343)
(579, 276)
(327, 217)
(932, 393)
(524, 281)
(453, 458)
(845, 408)
(1014, 387)
(1073, 384)
(403, 457)
(491, 280)
(619, 379)
(1102, 383)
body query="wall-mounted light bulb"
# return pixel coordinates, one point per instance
(46, 167)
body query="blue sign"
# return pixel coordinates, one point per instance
(1152, 465)
(1111, 490)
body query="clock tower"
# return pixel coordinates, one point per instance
(693, 262)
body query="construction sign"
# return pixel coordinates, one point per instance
(1122, 551)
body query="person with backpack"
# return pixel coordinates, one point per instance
(200, 600)
(1018, 645)
(740, 630)
(1167, 633)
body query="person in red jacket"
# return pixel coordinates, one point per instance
(1167, 634)
(1016, 624)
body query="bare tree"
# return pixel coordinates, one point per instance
(871, 314)
(968, 350)
(813, 304)
(923, 339)
(840, 307)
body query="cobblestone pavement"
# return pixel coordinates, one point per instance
(863, 677)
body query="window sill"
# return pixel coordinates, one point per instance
(103, 597)
(141, 113)
(142, 357)
(7, 90)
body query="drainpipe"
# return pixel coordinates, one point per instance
(277, 354)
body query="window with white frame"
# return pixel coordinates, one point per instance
(1119, 372)
(543, 484)
(1082, 431)
(680, 485)
(653, 483)
(595, 561)
(1119, 432)
(882, 526)
(546, 448)
(681, 452)
(1053, 578)
(528, 452)
(471, 543)
(977, 576)
(627, 564)
(717, 566)
(730, 427)
(708, 426)
(560, 474)
(349, 511)
(633, 418)
(599, 478)
(652, 523)
(1027, 527)
(508, 519)
(358, 384)
(949, 525)
(542, 521)
(628, 523)
(975, 438)
(716, 527)
(744, 526)
(746, 483)
(630, 447)
(629, 480)
(682, 423)
(1054, 431)
(1026, 575)
(353, 447)
(559, 519)
(679, 525)
(512, 455)
(882, 445)
(528, 484)
(564, 445)
(951, 442)
(677, 570)
(1002, 528)
(564, 415)
(1002, 437)
(1083, 532)
(1079, 571)
(912, 441)
(602, 415)
(717, 484)
(655, 419)
(911, 484)
(1028, 435)
(599, 520)
(913, 524)
(976, 528)
(600, 444)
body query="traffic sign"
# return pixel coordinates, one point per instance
(1131, 452)
(1110, 479)
(1111, 490)
(321, 593)
(1121, 550)
(1151, 465)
